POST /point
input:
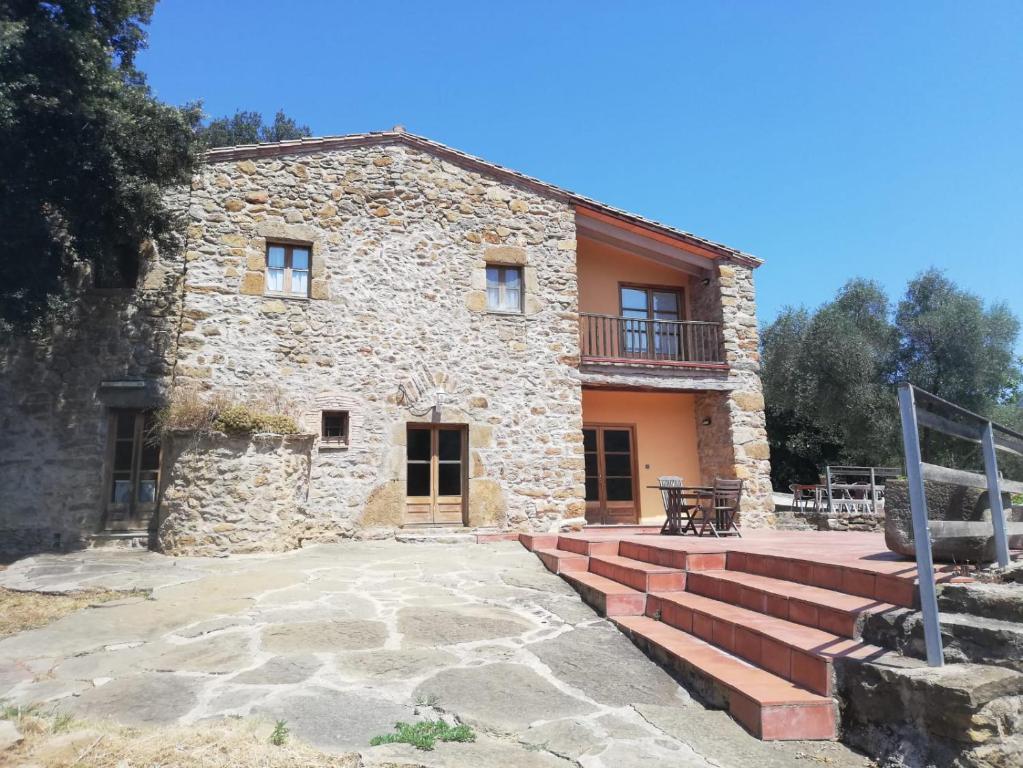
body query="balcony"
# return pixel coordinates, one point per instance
(635, 341)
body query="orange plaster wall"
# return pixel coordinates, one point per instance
(665, 437)
(602, 267)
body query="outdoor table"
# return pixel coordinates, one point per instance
(800, 501)
(677, 511)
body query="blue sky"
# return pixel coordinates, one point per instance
(832, 139)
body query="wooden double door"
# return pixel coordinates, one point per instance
(611, 493)
(436, 484)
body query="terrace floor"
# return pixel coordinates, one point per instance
(343, 640)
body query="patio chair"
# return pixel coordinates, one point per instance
(672, 504)
(719, 515)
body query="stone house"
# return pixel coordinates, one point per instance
(467, 346)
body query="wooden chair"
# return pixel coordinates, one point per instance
(719, 515)
(673, 511)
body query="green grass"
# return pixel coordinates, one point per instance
(424, 734)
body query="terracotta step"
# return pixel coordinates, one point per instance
(672, 558)
(560, 561)
(886, 588)
(792, 651)
(534, 541)
(588, 547)
(768, 706)
(810, 606)
(645, 577)
(605, 596)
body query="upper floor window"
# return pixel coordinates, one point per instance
(504, 289)
(287, 269)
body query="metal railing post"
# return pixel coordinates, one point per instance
(994, 494)
(831, 496)
(921, 529)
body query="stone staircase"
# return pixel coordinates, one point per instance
(757, 634)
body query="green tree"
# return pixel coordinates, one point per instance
(248, 128)
(829, 376)
(827, 384)
(86, 151)
(952, 346)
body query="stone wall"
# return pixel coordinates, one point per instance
(734, 443)
(55, 392)
(400, 241)
(223, 495)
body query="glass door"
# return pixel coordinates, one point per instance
(435, 482)
(133, 463)
(651, 326)
(609, 453)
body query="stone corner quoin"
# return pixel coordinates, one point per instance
(399, 243)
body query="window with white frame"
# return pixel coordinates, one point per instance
(504, 288)
(287, 269)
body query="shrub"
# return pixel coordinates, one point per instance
(204, 413)
(247, 420)
(424, 734)
(280, 733)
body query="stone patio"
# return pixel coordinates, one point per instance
(343, 640)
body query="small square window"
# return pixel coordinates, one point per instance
(287, 269)
(504, 289)
(334, 427)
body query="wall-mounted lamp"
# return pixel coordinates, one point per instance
(440, 396)
(705, 282)
(706, 422)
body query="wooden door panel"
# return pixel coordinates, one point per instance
(610, 468)
(436, 484)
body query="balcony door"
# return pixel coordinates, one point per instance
(436, 476)
(651, 329)
(610, 453)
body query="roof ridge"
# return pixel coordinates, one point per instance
(402, 136)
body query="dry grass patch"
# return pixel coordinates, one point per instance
(57, 742)
(20, 611)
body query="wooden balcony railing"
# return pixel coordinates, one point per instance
(610, 339)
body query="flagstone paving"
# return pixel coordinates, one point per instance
(342, 641)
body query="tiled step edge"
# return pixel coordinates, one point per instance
(534, 541)
(671, 558)
(588, 547)
(768, 706)
(560, 561)
(641, 576)
(792, 651)
(832, 611)
(605, 596)
(887, 588)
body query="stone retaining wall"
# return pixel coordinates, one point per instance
(224, 495)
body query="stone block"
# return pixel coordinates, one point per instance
(505, 254)
(252, 284)
(481, 436)
(318, 289)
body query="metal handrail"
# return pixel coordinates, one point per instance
(914, 412)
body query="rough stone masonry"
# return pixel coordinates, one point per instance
(400, 239)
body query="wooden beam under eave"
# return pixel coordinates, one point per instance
(652, 234)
